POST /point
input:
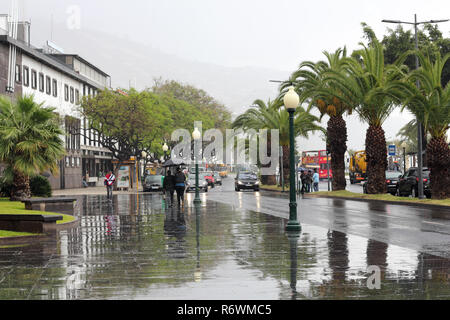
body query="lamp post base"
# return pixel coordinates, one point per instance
(294, 226)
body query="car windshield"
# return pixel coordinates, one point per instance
(153, 179)
(192, 177)
(392, 174)
(247, 175)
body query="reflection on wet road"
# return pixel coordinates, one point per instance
(421, 229)
(136, 248)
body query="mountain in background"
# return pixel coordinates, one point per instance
(130, 63)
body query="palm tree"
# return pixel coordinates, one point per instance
(430, 103)
(30, 142)
(272, 116)
(309, 83)
(365, 85)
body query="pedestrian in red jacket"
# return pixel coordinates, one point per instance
(109, 183)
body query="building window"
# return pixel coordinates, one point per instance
(71, 95)
(67, 161)
(55, 87)
(77, 96)
(18, 74)
(41, 82)
(26, 76)
(48, 85)
(33, 79)
(66, 92)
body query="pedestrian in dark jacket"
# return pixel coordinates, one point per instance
(309, 181)
(180, 185)
(303, 178)
(169, 188)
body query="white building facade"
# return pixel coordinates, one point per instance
(60, 81)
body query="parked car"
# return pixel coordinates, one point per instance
(392, 178)
(217, 178)
(209, 176)
(246, 180)
(408, 183)
(153, 183)
(190, 183)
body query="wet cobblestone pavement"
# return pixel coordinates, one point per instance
(135, 248)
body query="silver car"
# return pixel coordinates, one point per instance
(202, 183)
(217, 178)
(153, 183)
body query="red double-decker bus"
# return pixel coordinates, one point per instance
(317, 160)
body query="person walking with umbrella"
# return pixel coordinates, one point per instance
(169, 187)
(180, 185)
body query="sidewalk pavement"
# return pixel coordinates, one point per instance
(89, 191)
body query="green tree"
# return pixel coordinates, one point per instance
(366, 86)
(431, 105)
(430, 41)
(309, 83)
(199, 98)
(273, 116)
(30, 142)
(128, 123)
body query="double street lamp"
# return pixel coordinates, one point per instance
(196, 135)
(419, 123)
(291, 102)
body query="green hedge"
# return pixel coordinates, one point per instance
(39, 185)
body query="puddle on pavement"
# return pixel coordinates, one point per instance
(136, 248)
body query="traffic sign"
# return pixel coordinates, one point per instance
(392, 150)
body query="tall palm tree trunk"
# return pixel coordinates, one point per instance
(337, 144)
(376, 155)
(21, 187)
(438, 154)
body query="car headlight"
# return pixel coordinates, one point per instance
(240, 182)
(257, 182)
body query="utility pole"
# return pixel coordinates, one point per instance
(419, 123)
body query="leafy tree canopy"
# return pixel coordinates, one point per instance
(398, 41)
(195, 97)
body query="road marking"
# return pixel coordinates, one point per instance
(436, 223)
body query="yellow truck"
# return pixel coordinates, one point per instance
(358, 167)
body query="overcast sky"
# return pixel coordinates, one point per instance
(272, 34)
(265, 33)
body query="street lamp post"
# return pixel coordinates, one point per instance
(291, 102)
(419, 123)
(165, 149)
(196, 135)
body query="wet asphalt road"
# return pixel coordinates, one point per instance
(418, 228)
(232, 247)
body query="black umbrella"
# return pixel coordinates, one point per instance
(171, 163)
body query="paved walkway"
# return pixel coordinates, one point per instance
(89, 191)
